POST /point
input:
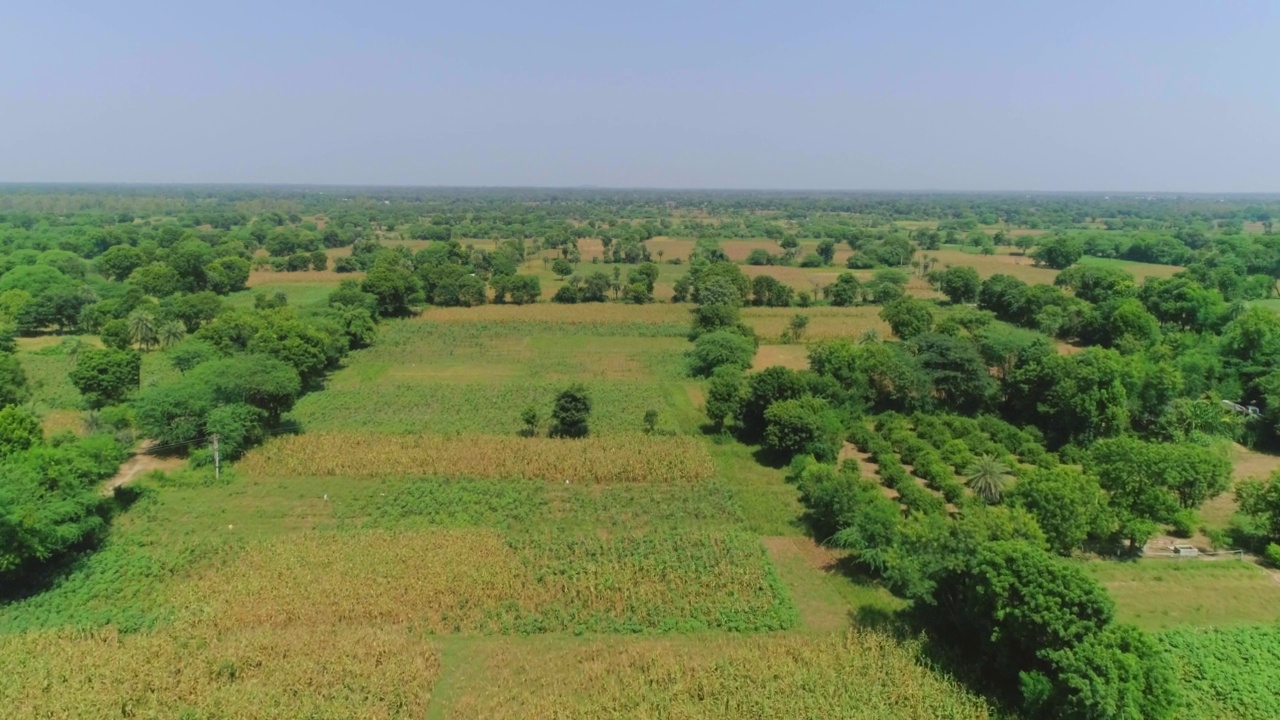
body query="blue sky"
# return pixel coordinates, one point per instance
(1130, 96)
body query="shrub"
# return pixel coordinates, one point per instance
(1272, 554)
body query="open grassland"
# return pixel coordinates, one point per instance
(325, 672)
(259, 279)
(48, 360)
(1227, 674)
(586, 318)
(302, 292)
(1156, 594)
(1139, 270)
(861, 674)
(621, 458)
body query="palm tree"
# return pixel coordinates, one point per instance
(171, 333)
(989, 478)
(142, 328)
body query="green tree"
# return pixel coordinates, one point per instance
(1260, 500)
(827, 250)
(20, 430)
(562, 267)
(532, 420)
(989, 478)
(142, 329)
(846, 291)
(170, 333)
(190, 353)
(771, 385)
(715, 349)
(724, 395)
(886, 285)
(119, 261)
(571, 414)
(908, 317)
(796, 328)
(107, 376)
(393, 284)
(227, 275)
(1058, 252)
(806, 425)
(1069, 505)
(13, 381)
(960, 284)
(156, 279)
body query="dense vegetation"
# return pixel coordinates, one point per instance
(970, 462)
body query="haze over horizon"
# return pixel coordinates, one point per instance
(926, 96)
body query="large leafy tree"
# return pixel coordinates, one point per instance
(908, 317)
(1069, 505)
(960, 284)
(107, 376)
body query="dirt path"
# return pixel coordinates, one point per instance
(140, 464)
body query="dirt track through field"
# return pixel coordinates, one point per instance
(141, 463)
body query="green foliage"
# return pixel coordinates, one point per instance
(960, 284)
(1152, 481)
(908, 317)
(20, 430)
(186, 409)
(988, 478)
(1069, 505)
(106, 377)
(771, 385)
(1226, 672)
(571, 414)
(1058, 252)
(806, 426)
(393, 284)
(724, 394)
(49, 501)
(720, 348)
(13, 381)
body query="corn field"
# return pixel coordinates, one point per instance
(862, 675)
(375, 673)
(621, 459)
(475, 581)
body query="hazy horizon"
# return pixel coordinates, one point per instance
(925, 97)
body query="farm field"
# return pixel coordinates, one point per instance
(1162, 593)
(409, 524)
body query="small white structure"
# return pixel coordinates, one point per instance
(1186, 550)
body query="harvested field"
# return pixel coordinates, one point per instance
(623, 459)
(795, 357)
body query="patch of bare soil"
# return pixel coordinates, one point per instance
(138, 465)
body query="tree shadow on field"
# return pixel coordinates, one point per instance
(769, 458)
(32, 579)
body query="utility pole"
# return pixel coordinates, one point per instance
(217, 461)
